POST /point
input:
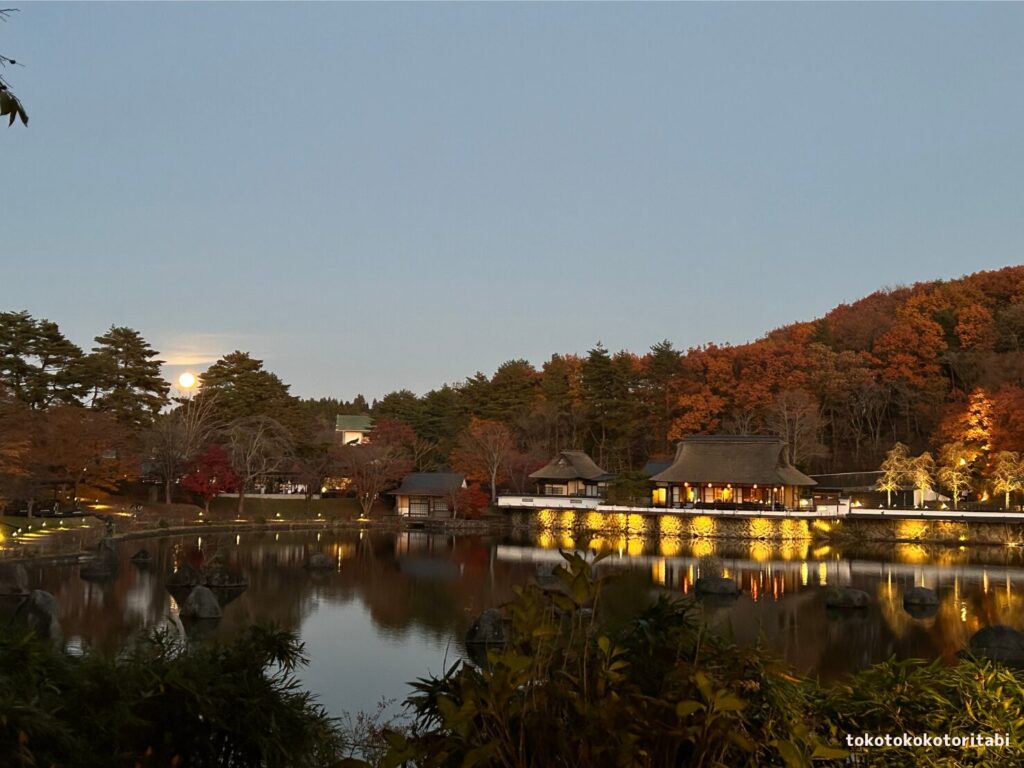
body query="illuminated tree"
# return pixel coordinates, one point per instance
(922, 470)
(1007, 474)
(955, 469)
(895, 471)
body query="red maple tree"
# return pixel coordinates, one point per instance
(210, 475)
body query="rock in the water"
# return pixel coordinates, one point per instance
(320, 562)
(717, 586)
(104, 565)
(490, 628)
(999, 643)
(226, 579)
(186, 576)
(39, 614)
(846, 597)
(920, 596)
(201, 604)
(13, 579)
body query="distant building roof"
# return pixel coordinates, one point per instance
(429, 484)
(353, 422)
(740, 459)
(571, 465)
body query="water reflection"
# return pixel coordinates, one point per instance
(397, 605)
(782, 605)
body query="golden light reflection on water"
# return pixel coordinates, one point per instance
(670, 547)
(911, 553)
(794, 550)
(703, 547)
(659, 572)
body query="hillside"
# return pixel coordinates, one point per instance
(898, 365)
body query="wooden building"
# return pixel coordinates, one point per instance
(427, 494)
(732, 471)
(571, 473)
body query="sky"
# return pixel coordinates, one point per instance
(371, 197)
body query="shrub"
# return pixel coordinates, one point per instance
(657, 691)
(162, 704)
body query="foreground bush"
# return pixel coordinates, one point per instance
(161, 704)
(569, 690)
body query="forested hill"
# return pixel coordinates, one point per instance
(918, 364)
(928, 365)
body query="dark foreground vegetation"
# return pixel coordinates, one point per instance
(578, 681)
(159, 704)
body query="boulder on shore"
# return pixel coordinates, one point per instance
(39, 614)
(999, 643)
(846, 597)
(489, 628)
(201, 603)
(13, 579)
(716, 586)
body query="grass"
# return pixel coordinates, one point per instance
(286, 509)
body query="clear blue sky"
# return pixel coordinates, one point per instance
(372, 197)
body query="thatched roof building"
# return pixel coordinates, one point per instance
(732, 469)
(571, 473)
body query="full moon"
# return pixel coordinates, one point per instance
(186, 380)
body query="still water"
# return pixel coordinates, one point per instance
(397, 605)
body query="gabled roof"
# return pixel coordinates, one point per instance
(429, 484)
(353, 422)
(740, 459)
(571, 465)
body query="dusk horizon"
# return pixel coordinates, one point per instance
(370, 197)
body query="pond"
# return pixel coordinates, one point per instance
(398, 604)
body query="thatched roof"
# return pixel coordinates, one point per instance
(737, 459)
(429, 484)
(571, 465)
